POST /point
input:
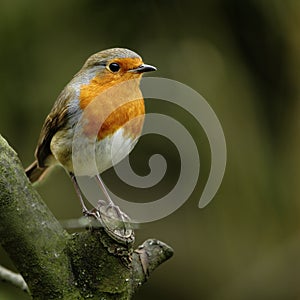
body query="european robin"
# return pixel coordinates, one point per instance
(101, 71)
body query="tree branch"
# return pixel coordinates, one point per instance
(13, 278)
(56, 264)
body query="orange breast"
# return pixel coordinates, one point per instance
(109, 103)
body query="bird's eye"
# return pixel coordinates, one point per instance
(114, 67)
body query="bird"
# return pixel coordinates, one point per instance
(98, 93)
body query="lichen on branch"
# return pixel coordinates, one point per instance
(56, 264)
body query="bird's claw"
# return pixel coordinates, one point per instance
(115, 222)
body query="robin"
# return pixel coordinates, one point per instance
(119, 119)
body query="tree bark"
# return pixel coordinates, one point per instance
(56, 264)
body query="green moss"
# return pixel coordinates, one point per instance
(54, 264)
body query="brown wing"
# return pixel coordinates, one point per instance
(56, 120)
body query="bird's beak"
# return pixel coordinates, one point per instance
(142, 69)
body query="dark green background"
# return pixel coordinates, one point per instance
(244, 58)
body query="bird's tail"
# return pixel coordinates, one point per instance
(34, 173)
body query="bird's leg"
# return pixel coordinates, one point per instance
(115, 211)
(85, 211)
(103, 188)
(116, 223)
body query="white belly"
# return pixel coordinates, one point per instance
(91, 158)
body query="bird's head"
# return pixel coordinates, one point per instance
(116, 65)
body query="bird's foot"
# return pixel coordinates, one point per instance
(115, 222)
(88, 213)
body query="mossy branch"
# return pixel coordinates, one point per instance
(54, 263)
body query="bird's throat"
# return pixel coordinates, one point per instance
(111, 105)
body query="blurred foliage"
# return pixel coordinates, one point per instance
(244, 58)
